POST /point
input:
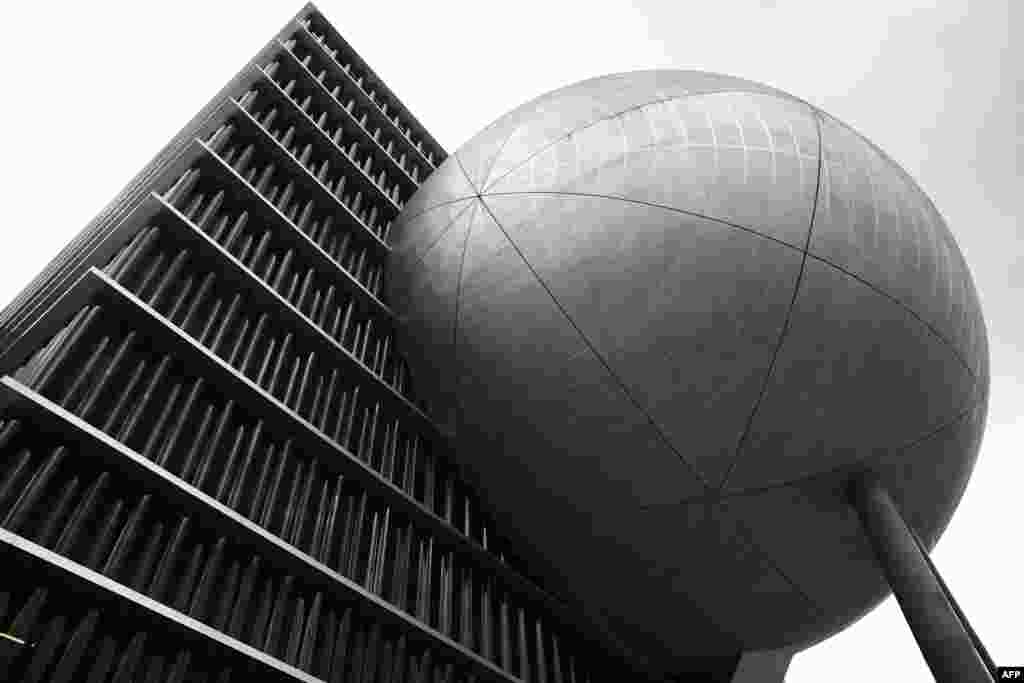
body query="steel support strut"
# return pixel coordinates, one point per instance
(946, 640)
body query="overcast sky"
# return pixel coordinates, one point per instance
(93, 90)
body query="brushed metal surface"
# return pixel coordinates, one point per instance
(665, 315)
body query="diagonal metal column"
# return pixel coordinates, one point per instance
(946, 641)
(982, 652)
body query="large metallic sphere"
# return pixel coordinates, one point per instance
(664, 316)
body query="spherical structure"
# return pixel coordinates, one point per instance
(664, 316)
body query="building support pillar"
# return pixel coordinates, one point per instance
(949, 645)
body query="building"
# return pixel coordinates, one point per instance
(212, 461)
(657, 301)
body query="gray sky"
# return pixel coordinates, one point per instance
(93, 90)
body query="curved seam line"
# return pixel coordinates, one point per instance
(641, 202)
(412, 217)
(635, 107)
(909, 179)
(771, 559)
(440, 235)
(465, 174)
(931, 328)
(763, 557)
(455, 320)
(598, 356)
(821, 259)
(494, 160)
(773, 562)
(859, 463)
(785, 324)
(566, 136)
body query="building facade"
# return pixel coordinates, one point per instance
(212, 460)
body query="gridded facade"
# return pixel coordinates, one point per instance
(212, 460)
